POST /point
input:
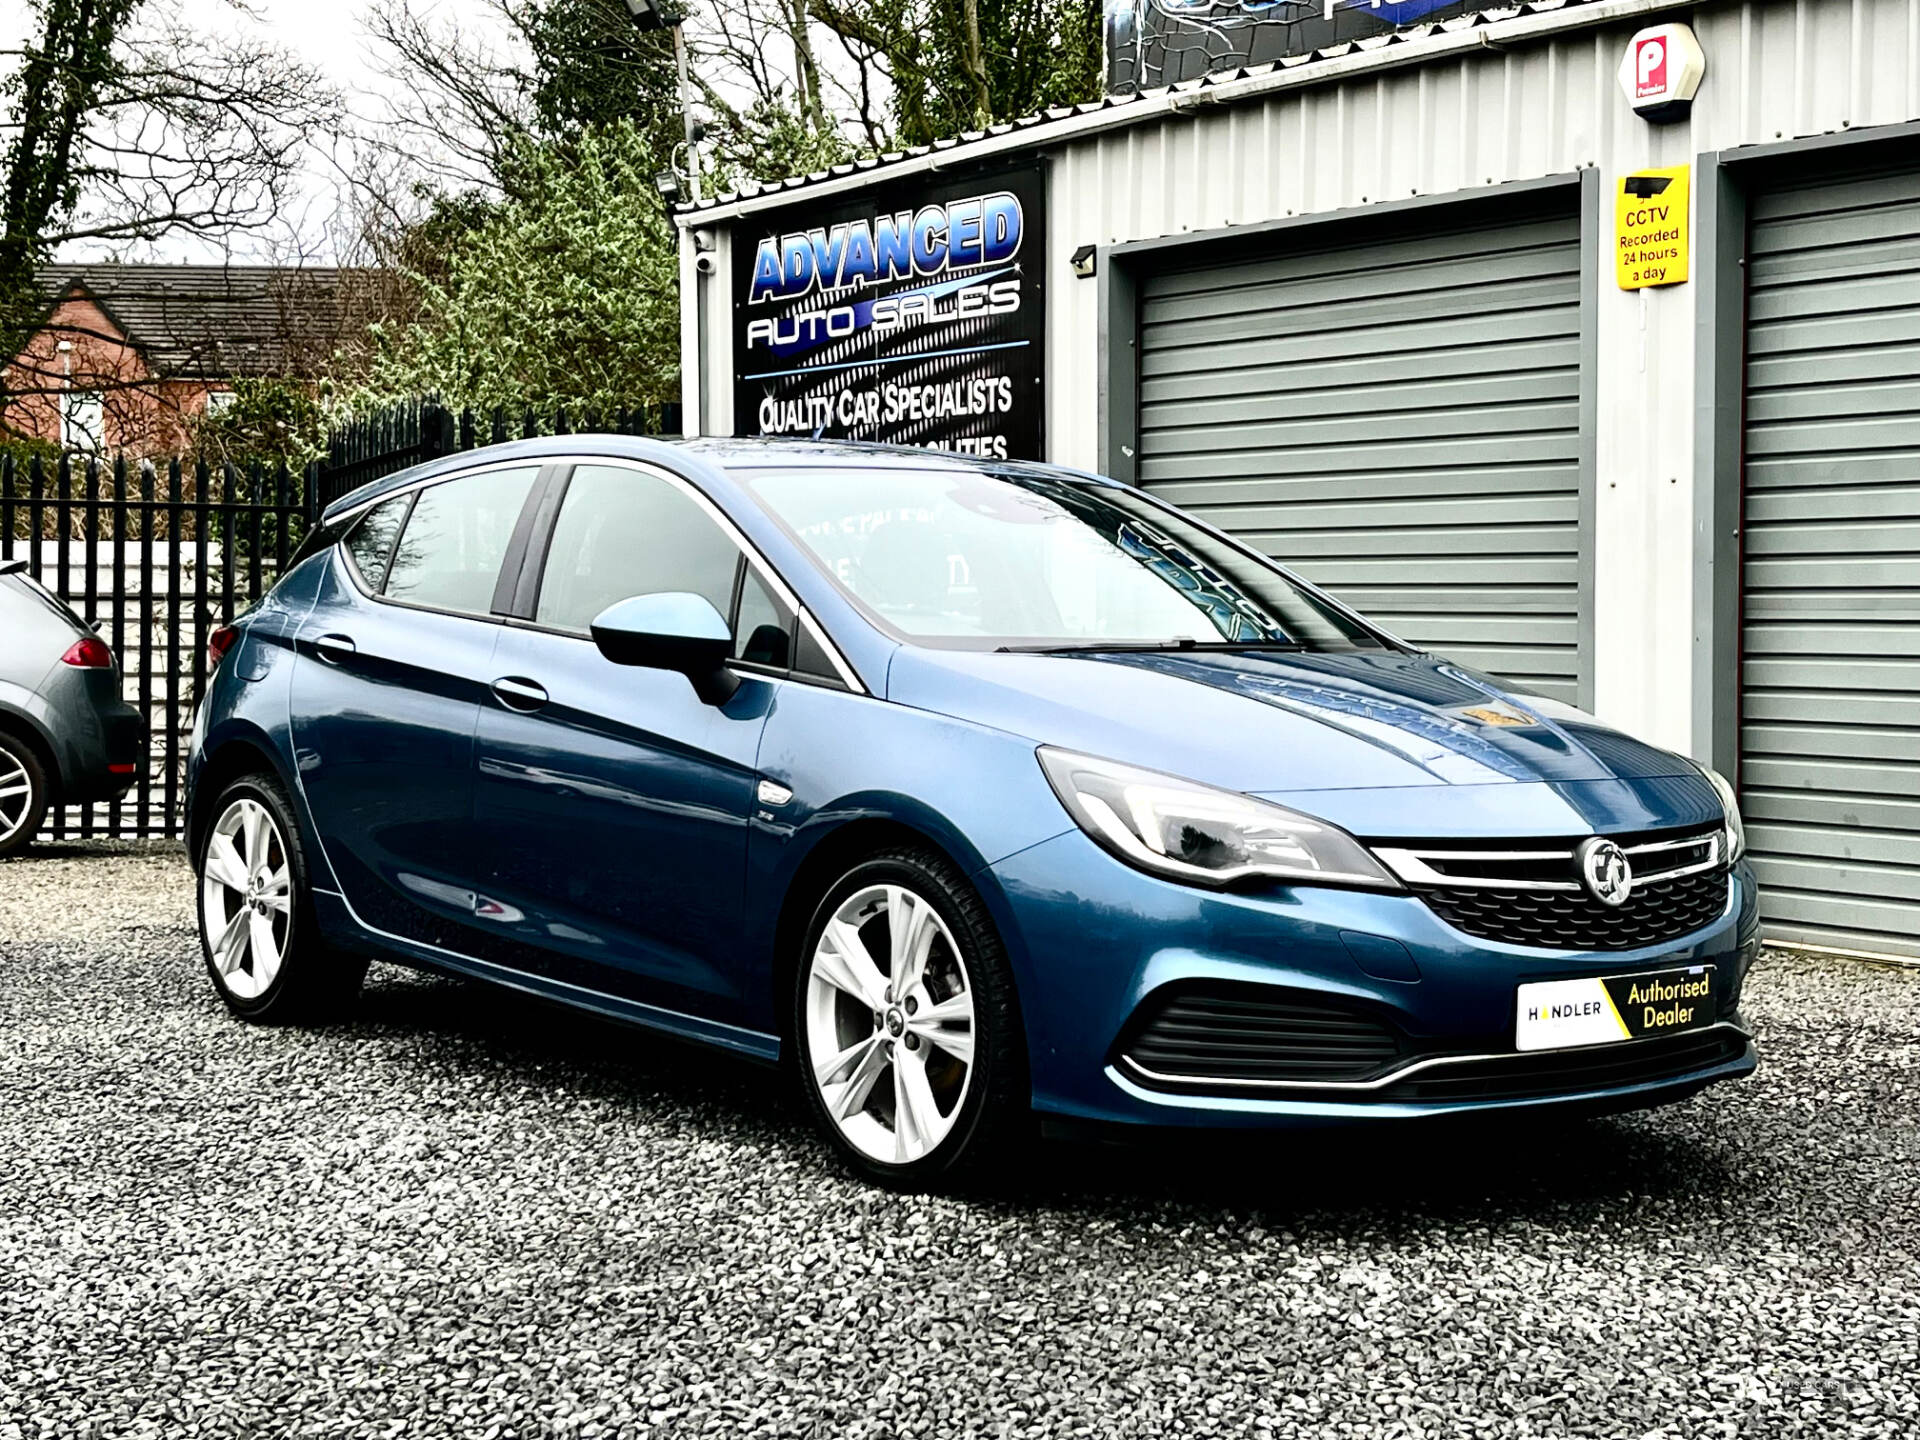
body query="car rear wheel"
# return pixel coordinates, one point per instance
(256, 913)
(909, 1043)
(23, 796)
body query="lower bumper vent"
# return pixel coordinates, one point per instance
(1254, 1039)
(1255, 1033)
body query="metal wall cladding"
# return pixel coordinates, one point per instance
(1459, 121)
(1830, 675)
(1414, 446)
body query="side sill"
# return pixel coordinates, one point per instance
(738, 1040)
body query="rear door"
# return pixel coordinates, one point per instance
(393, 661)
(613, 802)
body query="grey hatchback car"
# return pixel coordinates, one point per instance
(66, 736)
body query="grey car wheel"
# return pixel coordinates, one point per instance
(909, 1046)
(246, 898)
(257, 926)
(23, 796)
(892, 1047)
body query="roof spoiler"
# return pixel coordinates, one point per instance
(12, 567)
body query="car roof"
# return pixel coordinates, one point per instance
(723, 455)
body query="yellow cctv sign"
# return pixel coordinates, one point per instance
(1654, 235)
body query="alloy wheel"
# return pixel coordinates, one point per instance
(246, 898)
(890, 1024)
(16, 795)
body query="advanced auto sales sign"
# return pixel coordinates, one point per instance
(911, 314)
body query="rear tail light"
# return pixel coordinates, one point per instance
(89, 652)
(218, 643)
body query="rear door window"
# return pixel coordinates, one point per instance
(456, 539)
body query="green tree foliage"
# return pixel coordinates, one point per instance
(565, 294)
(425, 246)
(267, 421)
(958, 65)
(592, 68)
(60, 77)
(773, 141)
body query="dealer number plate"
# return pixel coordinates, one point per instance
(1562, 1014)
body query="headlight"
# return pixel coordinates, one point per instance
(1730, 803)
(1196, 833)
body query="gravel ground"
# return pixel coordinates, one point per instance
(460, 1216)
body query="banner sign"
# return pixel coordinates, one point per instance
(1161, 42)
(911, 313)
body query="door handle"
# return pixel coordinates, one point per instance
(335, 648)
(518, 693)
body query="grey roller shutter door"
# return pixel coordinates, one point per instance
(1830, 668)
(1397, 420)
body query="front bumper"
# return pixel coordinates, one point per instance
(1094, 939)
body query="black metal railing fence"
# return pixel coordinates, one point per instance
(376, 445)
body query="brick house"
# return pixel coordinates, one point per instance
(128, 354)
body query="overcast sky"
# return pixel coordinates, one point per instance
(328, 35)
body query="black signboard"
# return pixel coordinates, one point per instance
(912, 313)
(1162, 42)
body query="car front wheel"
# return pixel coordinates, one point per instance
(256, 913)
(910, 1049)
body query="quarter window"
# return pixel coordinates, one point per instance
(450, 553)
(371, 542)
(763, 632)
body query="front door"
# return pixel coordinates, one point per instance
(613, 802)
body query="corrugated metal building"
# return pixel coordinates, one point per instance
(1360, 306)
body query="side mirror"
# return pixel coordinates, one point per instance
(671, 631)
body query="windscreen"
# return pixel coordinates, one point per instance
(976, 560)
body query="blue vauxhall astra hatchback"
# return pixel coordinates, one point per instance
(970, 790)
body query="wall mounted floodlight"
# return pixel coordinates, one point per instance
(1085, 261)
(654, 14)
(667, 183)
(667, 15)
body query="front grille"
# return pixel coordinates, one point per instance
(1255, 1033)
(1574, 920)
(1530, 892)
(1565, 1072)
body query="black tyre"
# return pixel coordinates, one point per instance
(906, 1025)
(263, 950)
(23, 795)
